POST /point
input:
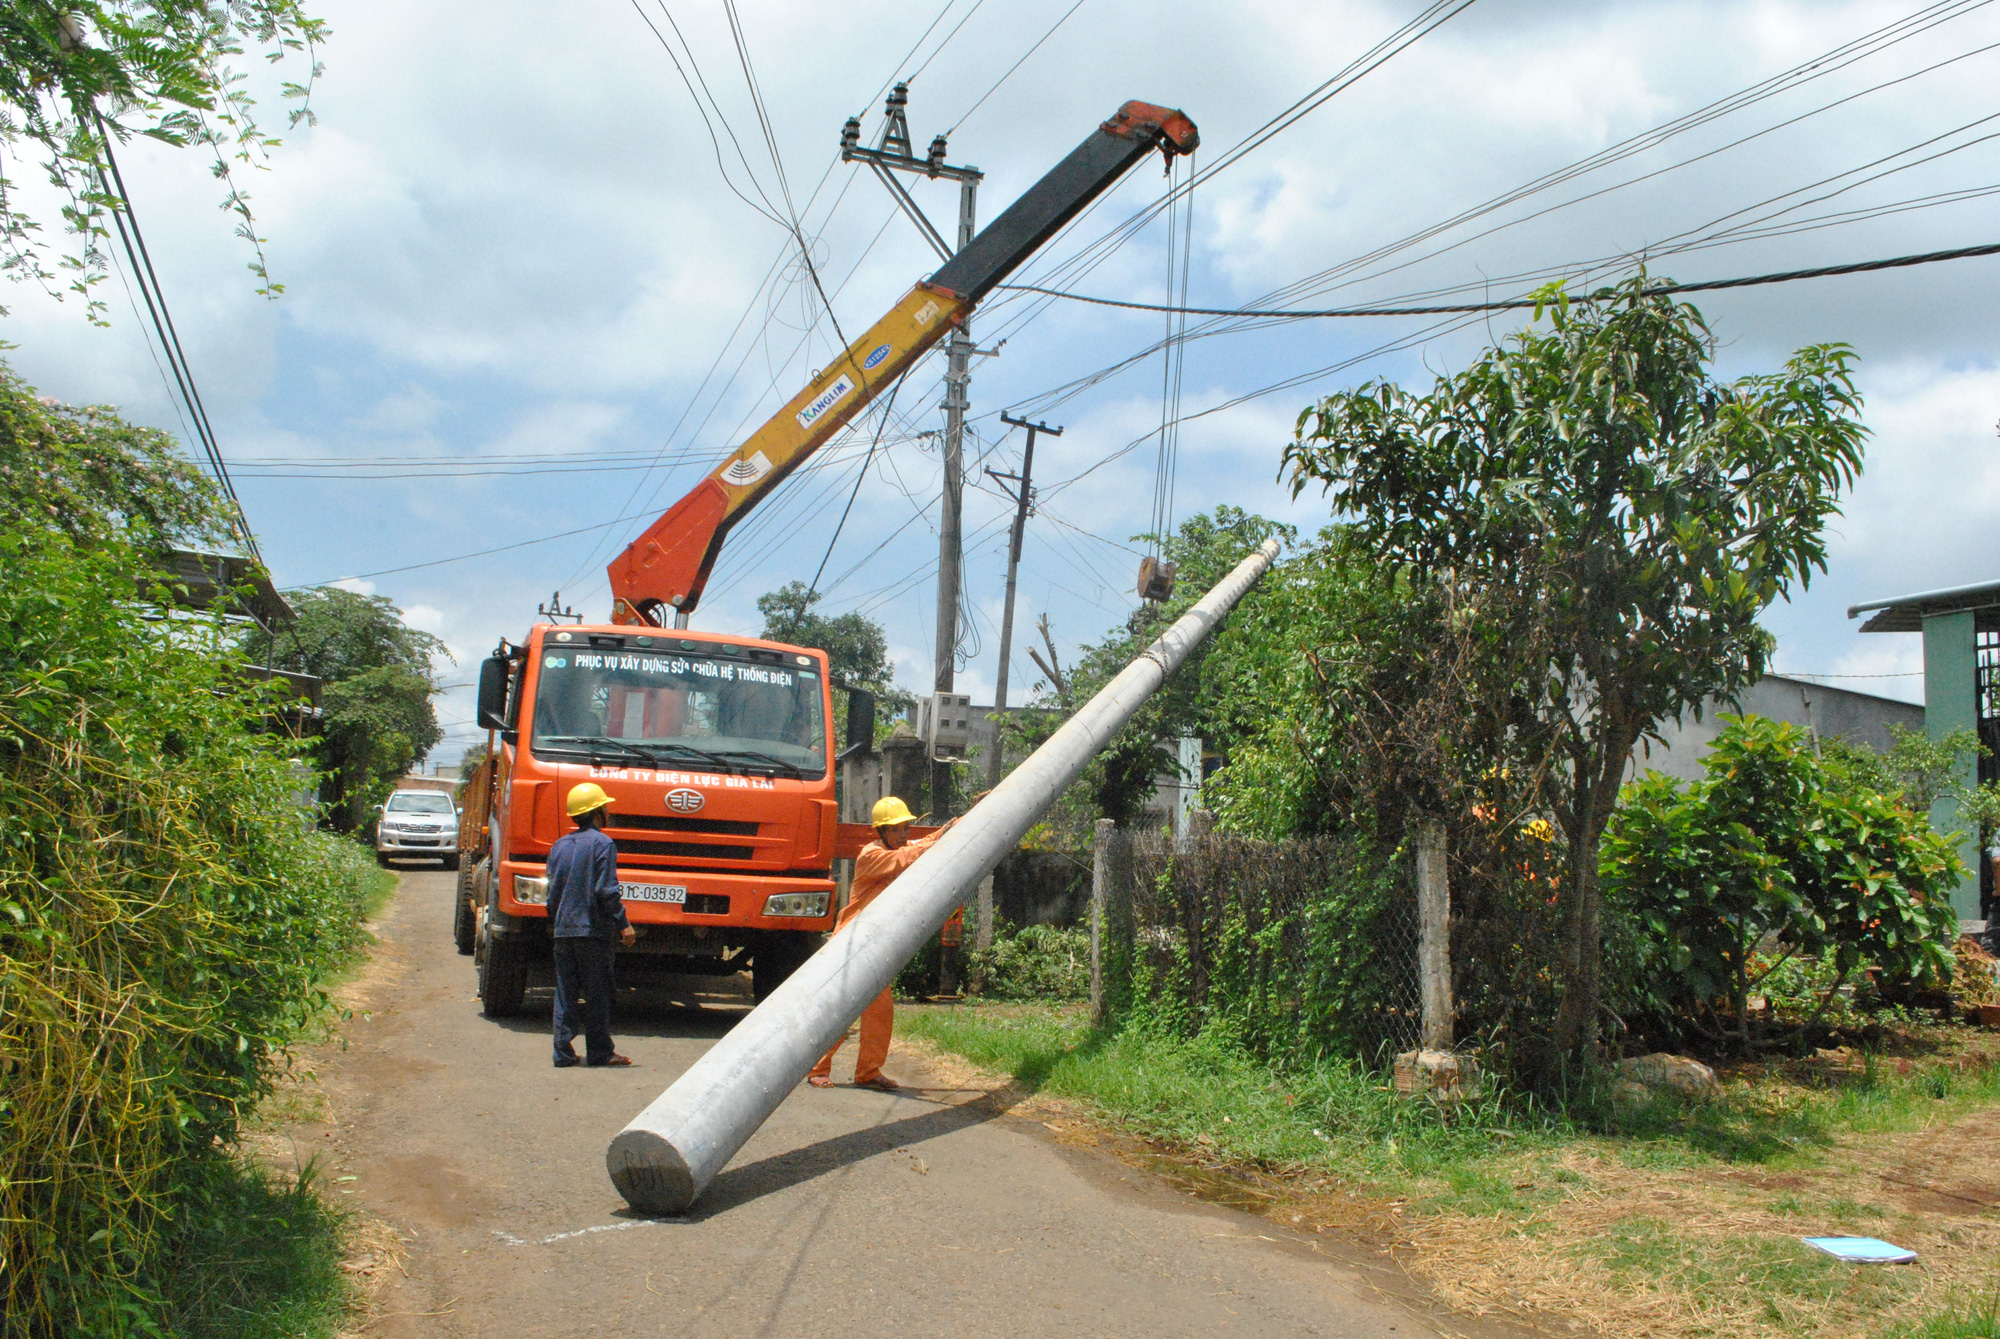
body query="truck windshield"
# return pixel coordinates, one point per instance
(680, 710)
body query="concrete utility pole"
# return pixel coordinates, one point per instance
(891, 155)
(1022, 502)
(672, 1150)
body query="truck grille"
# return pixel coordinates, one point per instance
(715, 827)
(698, 850)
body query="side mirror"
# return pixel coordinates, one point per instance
(860, 721)
(493, 692)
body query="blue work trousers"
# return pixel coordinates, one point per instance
(584, 972)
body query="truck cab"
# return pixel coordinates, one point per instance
(715, 751)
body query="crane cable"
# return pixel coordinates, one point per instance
(1173, 356)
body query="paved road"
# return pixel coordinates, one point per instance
(850, 1213)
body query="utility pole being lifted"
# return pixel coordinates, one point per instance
(891, 155)
(1023, 501)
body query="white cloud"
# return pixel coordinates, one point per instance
(509, 234)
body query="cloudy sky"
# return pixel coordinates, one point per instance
(521, 274)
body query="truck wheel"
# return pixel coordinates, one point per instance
(464, 920)
(382, 859)
(776, 961)
(503, 975)
(450, 863)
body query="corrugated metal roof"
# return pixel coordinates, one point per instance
(1906, 613)
(228, 581)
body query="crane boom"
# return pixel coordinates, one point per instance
(665, 569)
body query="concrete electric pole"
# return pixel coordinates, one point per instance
(1023, 501)
(891, 155)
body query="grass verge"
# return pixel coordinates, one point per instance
(253, 1255)
(1672, 1220)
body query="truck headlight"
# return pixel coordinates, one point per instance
(809, 905)
(535, 892)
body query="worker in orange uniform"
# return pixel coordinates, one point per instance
(875, 869)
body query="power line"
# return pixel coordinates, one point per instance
(140, 260)
(944, 42)
(1511, 304)
(466, 557)
(966, 115)
(888, 408)
(1837, 58)
(702, 110)
(1828, 62)
(865, 107)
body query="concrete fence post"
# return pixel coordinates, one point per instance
(982, 931)
(1434, 938)
(1110, 914)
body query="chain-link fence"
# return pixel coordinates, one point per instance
(1304, 947)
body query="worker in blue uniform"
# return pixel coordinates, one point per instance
(585, 914)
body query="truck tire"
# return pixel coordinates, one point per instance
(464, 920)
(450, 863)
(776, 961)
(503, 975)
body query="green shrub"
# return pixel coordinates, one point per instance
(1772, 847)
(165, 913)
(1035, 962)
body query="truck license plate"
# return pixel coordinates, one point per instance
(653, 892)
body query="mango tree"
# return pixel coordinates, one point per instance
(1651, 510)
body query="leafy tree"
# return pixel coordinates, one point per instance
(1202, 698)
(1979, 808)
(857, 650)
(376, 713)
(1921, 769)
(1652, 511)
(75, 72)
(1773, 842)
(88, 474)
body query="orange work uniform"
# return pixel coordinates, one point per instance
(874, 870)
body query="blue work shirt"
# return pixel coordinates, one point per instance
(583, 887)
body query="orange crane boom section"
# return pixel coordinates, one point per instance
(665, 569)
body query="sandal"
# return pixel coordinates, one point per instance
(616, 1059)
(881, 1083)
(819, 1080)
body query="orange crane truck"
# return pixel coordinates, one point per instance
(716, 750)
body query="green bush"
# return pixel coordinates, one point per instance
(1035, 962)
(1772, 847)
(165, 913)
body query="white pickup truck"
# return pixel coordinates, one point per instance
(418, 823)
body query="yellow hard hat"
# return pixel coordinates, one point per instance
(890, 812)
(586, 797)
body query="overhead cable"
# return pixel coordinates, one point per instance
(1509, 304)
(889, 407)
(966, 115)
(1828, 62)
(1839, 57)
(140, 260)
(767, 209)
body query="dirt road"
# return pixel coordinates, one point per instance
(850, 1213)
